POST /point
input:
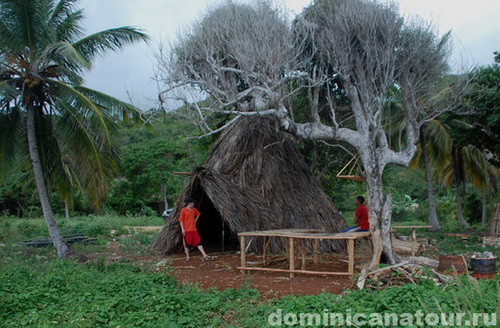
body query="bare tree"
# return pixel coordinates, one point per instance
(238, 58)
(248, 60)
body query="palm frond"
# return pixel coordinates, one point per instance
(64, 51)
(7, 92)
(86, 107)
(113, 39)
(439, 143)
(88, 140)
(116, 107)
(8, 39)
(416, 160)
(66, 20)
(11, 127)
(69, 29)
(88, 159)
(476, 167)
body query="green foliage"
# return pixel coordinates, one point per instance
(326, 162)
(443, 244)
(467, 296)
(472, 207)
(63, 293)
(38, 291)
(14, 229)
(149, 158)
(42, 58)
(483, 125)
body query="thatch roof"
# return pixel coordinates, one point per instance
(256, 179)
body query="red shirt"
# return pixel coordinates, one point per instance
(188, 218)
(362, 214)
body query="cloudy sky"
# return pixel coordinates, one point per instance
(127, 75)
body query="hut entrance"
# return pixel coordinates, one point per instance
(216, 236)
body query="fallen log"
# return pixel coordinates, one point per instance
(422, 260)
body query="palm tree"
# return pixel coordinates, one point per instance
(454, 165)
(65, 129)
(482, 174)
(466, 163)
(435, 145)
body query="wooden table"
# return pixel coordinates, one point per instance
(413, 234)
(300, 235)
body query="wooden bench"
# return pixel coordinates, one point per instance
(293, 237)
(413, 235)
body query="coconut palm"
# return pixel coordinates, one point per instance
(482, 174)
(435, 145)
(453, 164)
(47, 117)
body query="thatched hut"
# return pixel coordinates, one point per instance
(254, 179)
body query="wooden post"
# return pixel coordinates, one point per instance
(243, 251)
(264, 252)
(414, 238)
(350, 250)
(303, 250)
(291, 250)
(315, 251)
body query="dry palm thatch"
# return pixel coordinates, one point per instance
(254, 179)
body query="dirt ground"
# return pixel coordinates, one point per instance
(222, 273)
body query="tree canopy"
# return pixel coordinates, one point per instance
(66, 130)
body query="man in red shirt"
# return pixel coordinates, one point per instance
(360, 217)
(187, 219)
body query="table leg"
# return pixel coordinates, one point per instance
(315, 251)
(350, 250)
(303, 250)
(264, 253)
(243, 251)
(291, 249)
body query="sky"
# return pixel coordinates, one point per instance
(128, 74)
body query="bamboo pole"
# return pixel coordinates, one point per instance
(292, 255)
(303, 251)
(296, 271)
(264, 252)
(249, 243)
(414, 239)
(315, 251)
(269, 261)
(243, 251)
(350, 249)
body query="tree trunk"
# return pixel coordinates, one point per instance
(484, 213)
(62, 249)
(460, 214)
(164, 193)
(66, 210)
(433, 220)
(380, 212)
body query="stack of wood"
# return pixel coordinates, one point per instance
(400, 274)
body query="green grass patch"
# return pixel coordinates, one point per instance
(37, 293)
(38, 290)
(15, 229)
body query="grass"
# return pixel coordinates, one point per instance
(40, 293)
(38, 290)
(92, 226)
